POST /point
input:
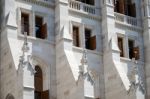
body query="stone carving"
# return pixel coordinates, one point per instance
(84, 70)
(25, 58)
(136, 76)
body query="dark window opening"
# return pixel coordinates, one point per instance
(119, 6)
(38, 78)
(130, 8)
(76, 41)
(136, 53)
(131, 48)
(90, 2)
(133, 51)
(120, 45)
(40, 28)
(25, 23)
(38, 84)
(126, 7)
(117, 9)
(90, 41)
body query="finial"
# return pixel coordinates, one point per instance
(25, 47)
(84, 58)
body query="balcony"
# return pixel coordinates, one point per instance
(126, 19)
(82, 7)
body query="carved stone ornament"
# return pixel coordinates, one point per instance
(84, 70)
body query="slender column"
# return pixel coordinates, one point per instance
(32, 24)
(126, 51)
(83, 36)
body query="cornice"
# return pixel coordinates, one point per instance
(127, 26)
(48, 4)
(84, 14)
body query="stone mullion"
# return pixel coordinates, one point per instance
(32, 24)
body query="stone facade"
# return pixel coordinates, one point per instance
(75, 66)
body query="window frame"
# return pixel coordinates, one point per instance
(28, 31)
(32, 15)
(25, 11)
(129, 49)
(44, 21)
(82, 27)
(91, 35)
(123, 45)
(79, 44)
(76, 24)
(126, 39)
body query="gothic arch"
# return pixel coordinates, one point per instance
(10, 96)
(38, 83)
(36, 61)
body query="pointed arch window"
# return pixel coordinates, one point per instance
(38, 84)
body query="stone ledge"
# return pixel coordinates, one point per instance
(84, 14)
(34, 39)
(80, 50)
(48, 4)
(127, 26)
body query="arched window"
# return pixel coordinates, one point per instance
(38, 83)
(10, 96)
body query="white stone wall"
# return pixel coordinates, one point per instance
(60, 60)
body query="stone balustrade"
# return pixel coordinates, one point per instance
(82, 7)
(126, 19)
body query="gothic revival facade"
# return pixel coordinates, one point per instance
(75, 49)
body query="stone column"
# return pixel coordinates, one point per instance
(108, 32)
(32, 24)
(146, 35)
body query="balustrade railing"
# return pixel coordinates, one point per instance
(126, 19)
(82, 7)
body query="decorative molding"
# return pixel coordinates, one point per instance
(62, 2)
(80, 50)
(84, 71)
(84, 14)
(127, 26)
(29, 87)
(136, 77)
(34, 39)
(48, 4)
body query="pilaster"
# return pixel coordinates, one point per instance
(117, 83)
(146, 35)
